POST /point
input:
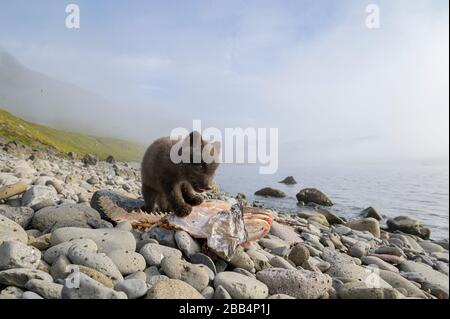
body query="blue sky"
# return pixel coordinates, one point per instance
(310, 68)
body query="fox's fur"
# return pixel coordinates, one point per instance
(174, 186)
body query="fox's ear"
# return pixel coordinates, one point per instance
(193, 139)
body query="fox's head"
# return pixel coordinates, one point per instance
(203, 161)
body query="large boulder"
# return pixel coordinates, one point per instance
(288, 181)
(89, 159)
(66, 215)
(408, 225)
(270, 192)
(372, 212)
(313, 195)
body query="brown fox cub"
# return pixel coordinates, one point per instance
(173, 185)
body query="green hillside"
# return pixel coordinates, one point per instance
(37, 136)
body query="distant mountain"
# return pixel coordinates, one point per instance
(41, 99)
(37, 136)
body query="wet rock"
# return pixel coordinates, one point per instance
(314, 216)
(154, 253)
(288, 181)
(20, 276)
(270, 192)
(367, 224)
(173, 289)
(302, 284)
(39, 196)
(164, 236)
(312, 195)
(372, 212)
(46, 289)
(10, 230)
(20, 215)
(332, 219)
(14, 254)
(194, 275)
(240, 286)
(127, 262)
(408, 225)
(88, 288)
(106, 239)
(133, 288)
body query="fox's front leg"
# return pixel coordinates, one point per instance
(190, 196)
(176, 201)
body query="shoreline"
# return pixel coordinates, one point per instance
(47, 224)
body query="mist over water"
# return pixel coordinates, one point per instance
(418, 191)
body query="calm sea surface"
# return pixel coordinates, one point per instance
(419, 191)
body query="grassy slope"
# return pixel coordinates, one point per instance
(41, 137)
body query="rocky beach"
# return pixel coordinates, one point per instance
(56, 243)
